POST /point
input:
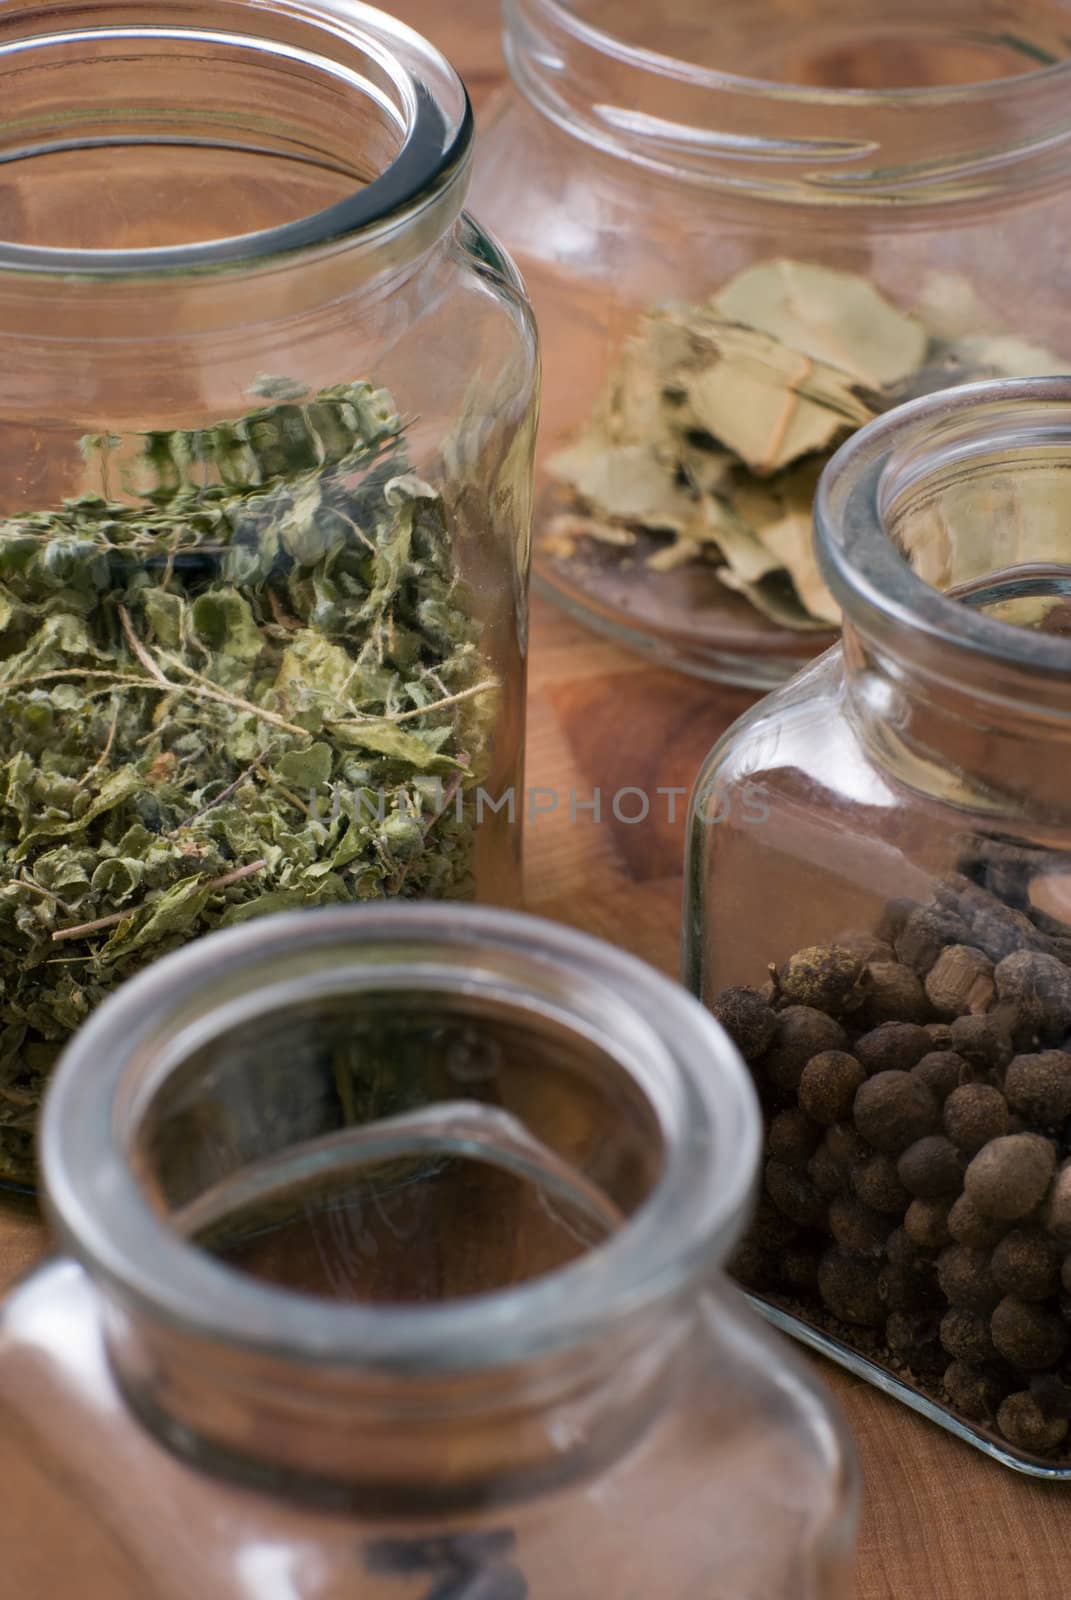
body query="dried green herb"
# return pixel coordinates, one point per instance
(255, 685)
(714, 426)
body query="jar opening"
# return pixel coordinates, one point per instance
(838, 45)
(947, 520)
(402, 1146)
(828, 103)
(231, 133)
(477, 1092)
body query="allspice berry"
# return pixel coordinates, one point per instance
(926, 1224)
(829, 1085)
(828, 1176)
(910, 1287)
(747, 1019)
(982, 1041)
(931, 1168)
(771, 1228)
(1058, 1210)
(1052, 1393)
(973, 1391)
(1038, 986)
(893, 1109)
(877, 1184)
(968, 1225)
(801, 1032)
(966, 1279)
(1027, 1265)
(892, 1047)
(966, 1336)
(794, 1195)
(1039, 1087)
(752, 1266)
(924, 935)
(849, 1289)
(894, 915)
(799, 1268)
(1010, 1176)
(864, 946)
(824, 977)
(912, 1338)
(1028, 1335)
(1025, 1425)
(858, 1229)
(845, 1146)
(792, 1137)
(942, 1071)
(960, 982)
(893, 993)
(974, 1115)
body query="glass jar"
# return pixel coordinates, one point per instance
(267, 426)
(745, 231)
(879, 909)
(423, 1300)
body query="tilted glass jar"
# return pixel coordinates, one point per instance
(266, 423)
(477, 1348)
(879, 908)
(811, 170)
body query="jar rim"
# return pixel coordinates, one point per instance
(957, 144)
(881, 594)
(657, 62)
(432, 159)
(697, 1085)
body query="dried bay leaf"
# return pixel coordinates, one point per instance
(838, 318)
(1006, 357)
(625, 482)
(776, 598)
(713, 427)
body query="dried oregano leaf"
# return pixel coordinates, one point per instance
(714, 426)
(248, 687)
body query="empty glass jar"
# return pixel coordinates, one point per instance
(879, 910)
(747, 229)
(266, 426)
(393, 1240)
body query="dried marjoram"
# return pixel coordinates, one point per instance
(712, 430)
(255, 685)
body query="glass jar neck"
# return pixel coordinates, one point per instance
(165, 1102)
(940, 530)
(218, 214)
(333, 1434)
(659, 86)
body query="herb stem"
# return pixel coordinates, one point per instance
(116, 917)
(140, 651)
(208, 691)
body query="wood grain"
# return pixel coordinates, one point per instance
(940, 1522)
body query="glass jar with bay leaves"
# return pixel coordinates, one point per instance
(267, 413)
(879, 911)
(747, 229)
(469, 1344)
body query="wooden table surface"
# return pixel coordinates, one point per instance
(940, 1522)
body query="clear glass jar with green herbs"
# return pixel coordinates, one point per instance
(266, 426)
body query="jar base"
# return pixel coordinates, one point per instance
(619, 605)
(824, 1344)
(681, 615)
